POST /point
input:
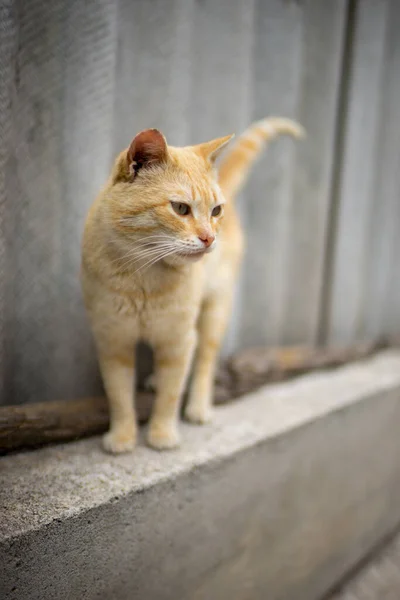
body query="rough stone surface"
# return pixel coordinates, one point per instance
(284, 493)
(379, 579)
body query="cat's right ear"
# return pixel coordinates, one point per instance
(148, 148)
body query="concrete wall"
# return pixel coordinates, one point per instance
(278, 499)
(80, 78)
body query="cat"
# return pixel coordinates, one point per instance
(161, 250)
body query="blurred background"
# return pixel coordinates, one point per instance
(80, 78)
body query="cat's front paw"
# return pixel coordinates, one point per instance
(118, 442)
(198, 413)
(163, 436)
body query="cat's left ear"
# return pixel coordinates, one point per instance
(211, 150)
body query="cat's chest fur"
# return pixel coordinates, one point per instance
(147, 305)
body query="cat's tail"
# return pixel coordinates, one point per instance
(239, 158)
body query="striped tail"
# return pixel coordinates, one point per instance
(238, 160)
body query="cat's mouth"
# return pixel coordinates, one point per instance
(194, 255)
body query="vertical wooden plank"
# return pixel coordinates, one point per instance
(8, 45)
(297, 60)
(152, 87)
(381, 299)
(277, 68)
(390, 319)
(62, 112)
(33, 189)
(323, 41)
(220, 68)
(90, 43)
(353, 268)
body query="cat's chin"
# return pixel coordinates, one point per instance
(194, 257)
(189, 257)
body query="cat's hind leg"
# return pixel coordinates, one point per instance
(212, 324)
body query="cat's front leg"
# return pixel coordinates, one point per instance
(173, 358)
(118, 372)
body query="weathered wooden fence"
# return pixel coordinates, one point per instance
(78, 79)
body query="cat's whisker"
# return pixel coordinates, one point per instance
(154, 260)
(119, 258)
(145, 268)
(149, 247)
(155, 238)
(153, 244)
(154, 252)
(146, 250)
(136, 251)
(157, 235)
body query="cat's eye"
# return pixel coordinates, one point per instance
(216, 211)
(181, 208)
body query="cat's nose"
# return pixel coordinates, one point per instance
(207, 239)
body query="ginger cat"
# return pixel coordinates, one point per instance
(161, 250)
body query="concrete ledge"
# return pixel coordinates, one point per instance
(277, 500)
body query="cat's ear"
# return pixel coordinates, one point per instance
(211, 150)
(148, 148)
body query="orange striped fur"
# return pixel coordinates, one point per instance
(234, 169)
(161, 250)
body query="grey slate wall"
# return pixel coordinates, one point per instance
(78, 79)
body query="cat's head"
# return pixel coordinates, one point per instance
(165, 201)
